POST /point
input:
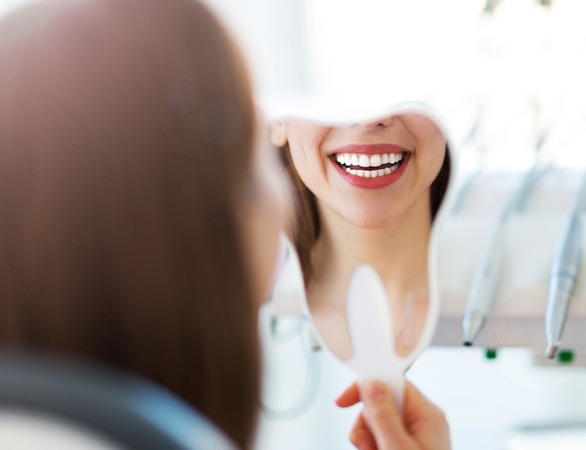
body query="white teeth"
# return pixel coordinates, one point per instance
(375, 160)
(370, 173)
(364, 161)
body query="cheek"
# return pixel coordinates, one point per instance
(303, 168)
(310, 167)
(433, 158)
(429, 138)
(439, 158)
(306, 151)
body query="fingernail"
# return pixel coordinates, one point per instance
(376, 391)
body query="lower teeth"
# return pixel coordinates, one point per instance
(371, 173)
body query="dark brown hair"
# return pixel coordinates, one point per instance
(307, 227)
(126, 130)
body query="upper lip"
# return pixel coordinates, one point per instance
(369, 149)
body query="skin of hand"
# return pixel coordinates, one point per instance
(380, 426)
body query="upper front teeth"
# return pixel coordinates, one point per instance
(363, 160)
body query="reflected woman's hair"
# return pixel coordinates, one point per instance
(126, 131)
(306, 229)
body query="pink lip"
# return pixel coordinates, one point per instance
(370, 149)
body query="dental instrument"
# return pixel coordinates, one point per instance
(486, 275)
(563, 275)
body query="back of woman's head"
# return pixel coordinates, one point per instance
(126, 129)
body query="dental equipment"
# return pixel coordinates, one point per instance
(562, 279)
(486, 276)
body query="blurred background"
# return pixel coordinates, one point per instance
(507, 77)
(515, 66)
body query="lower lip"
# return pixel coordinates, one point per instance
(373, 183)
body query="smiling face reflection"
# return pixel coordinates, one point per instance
(371, 184)
(354, 170)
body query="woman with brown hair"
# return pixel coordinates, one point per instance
(128, 183)
(366, 192)
(138, 220)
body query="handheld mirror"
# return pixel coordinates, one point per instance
(370, 197)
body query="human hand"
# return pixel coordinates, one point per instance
(380, 426)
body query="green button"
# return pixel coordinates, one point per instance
(490, 353)
(565, 356)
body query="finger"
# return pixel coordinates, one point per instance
(383, 418)
(417, 403)
(424, 420)
(360, 435)
(349, 397)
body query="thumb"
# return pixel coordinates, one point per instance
(383, 417)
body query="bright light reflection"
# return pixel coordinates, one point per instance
(518, 70)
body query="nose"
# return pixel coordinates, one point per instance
(380, 123)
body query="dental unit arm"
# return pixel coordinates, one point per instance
(532, 240)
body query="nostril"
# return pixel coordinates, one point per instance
(382, 123)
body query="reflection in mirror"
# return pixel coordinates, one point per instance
(366, 192)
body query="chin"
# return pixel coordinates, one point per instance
(380, 219)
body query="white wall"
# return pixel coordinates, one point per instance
(273, 34)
